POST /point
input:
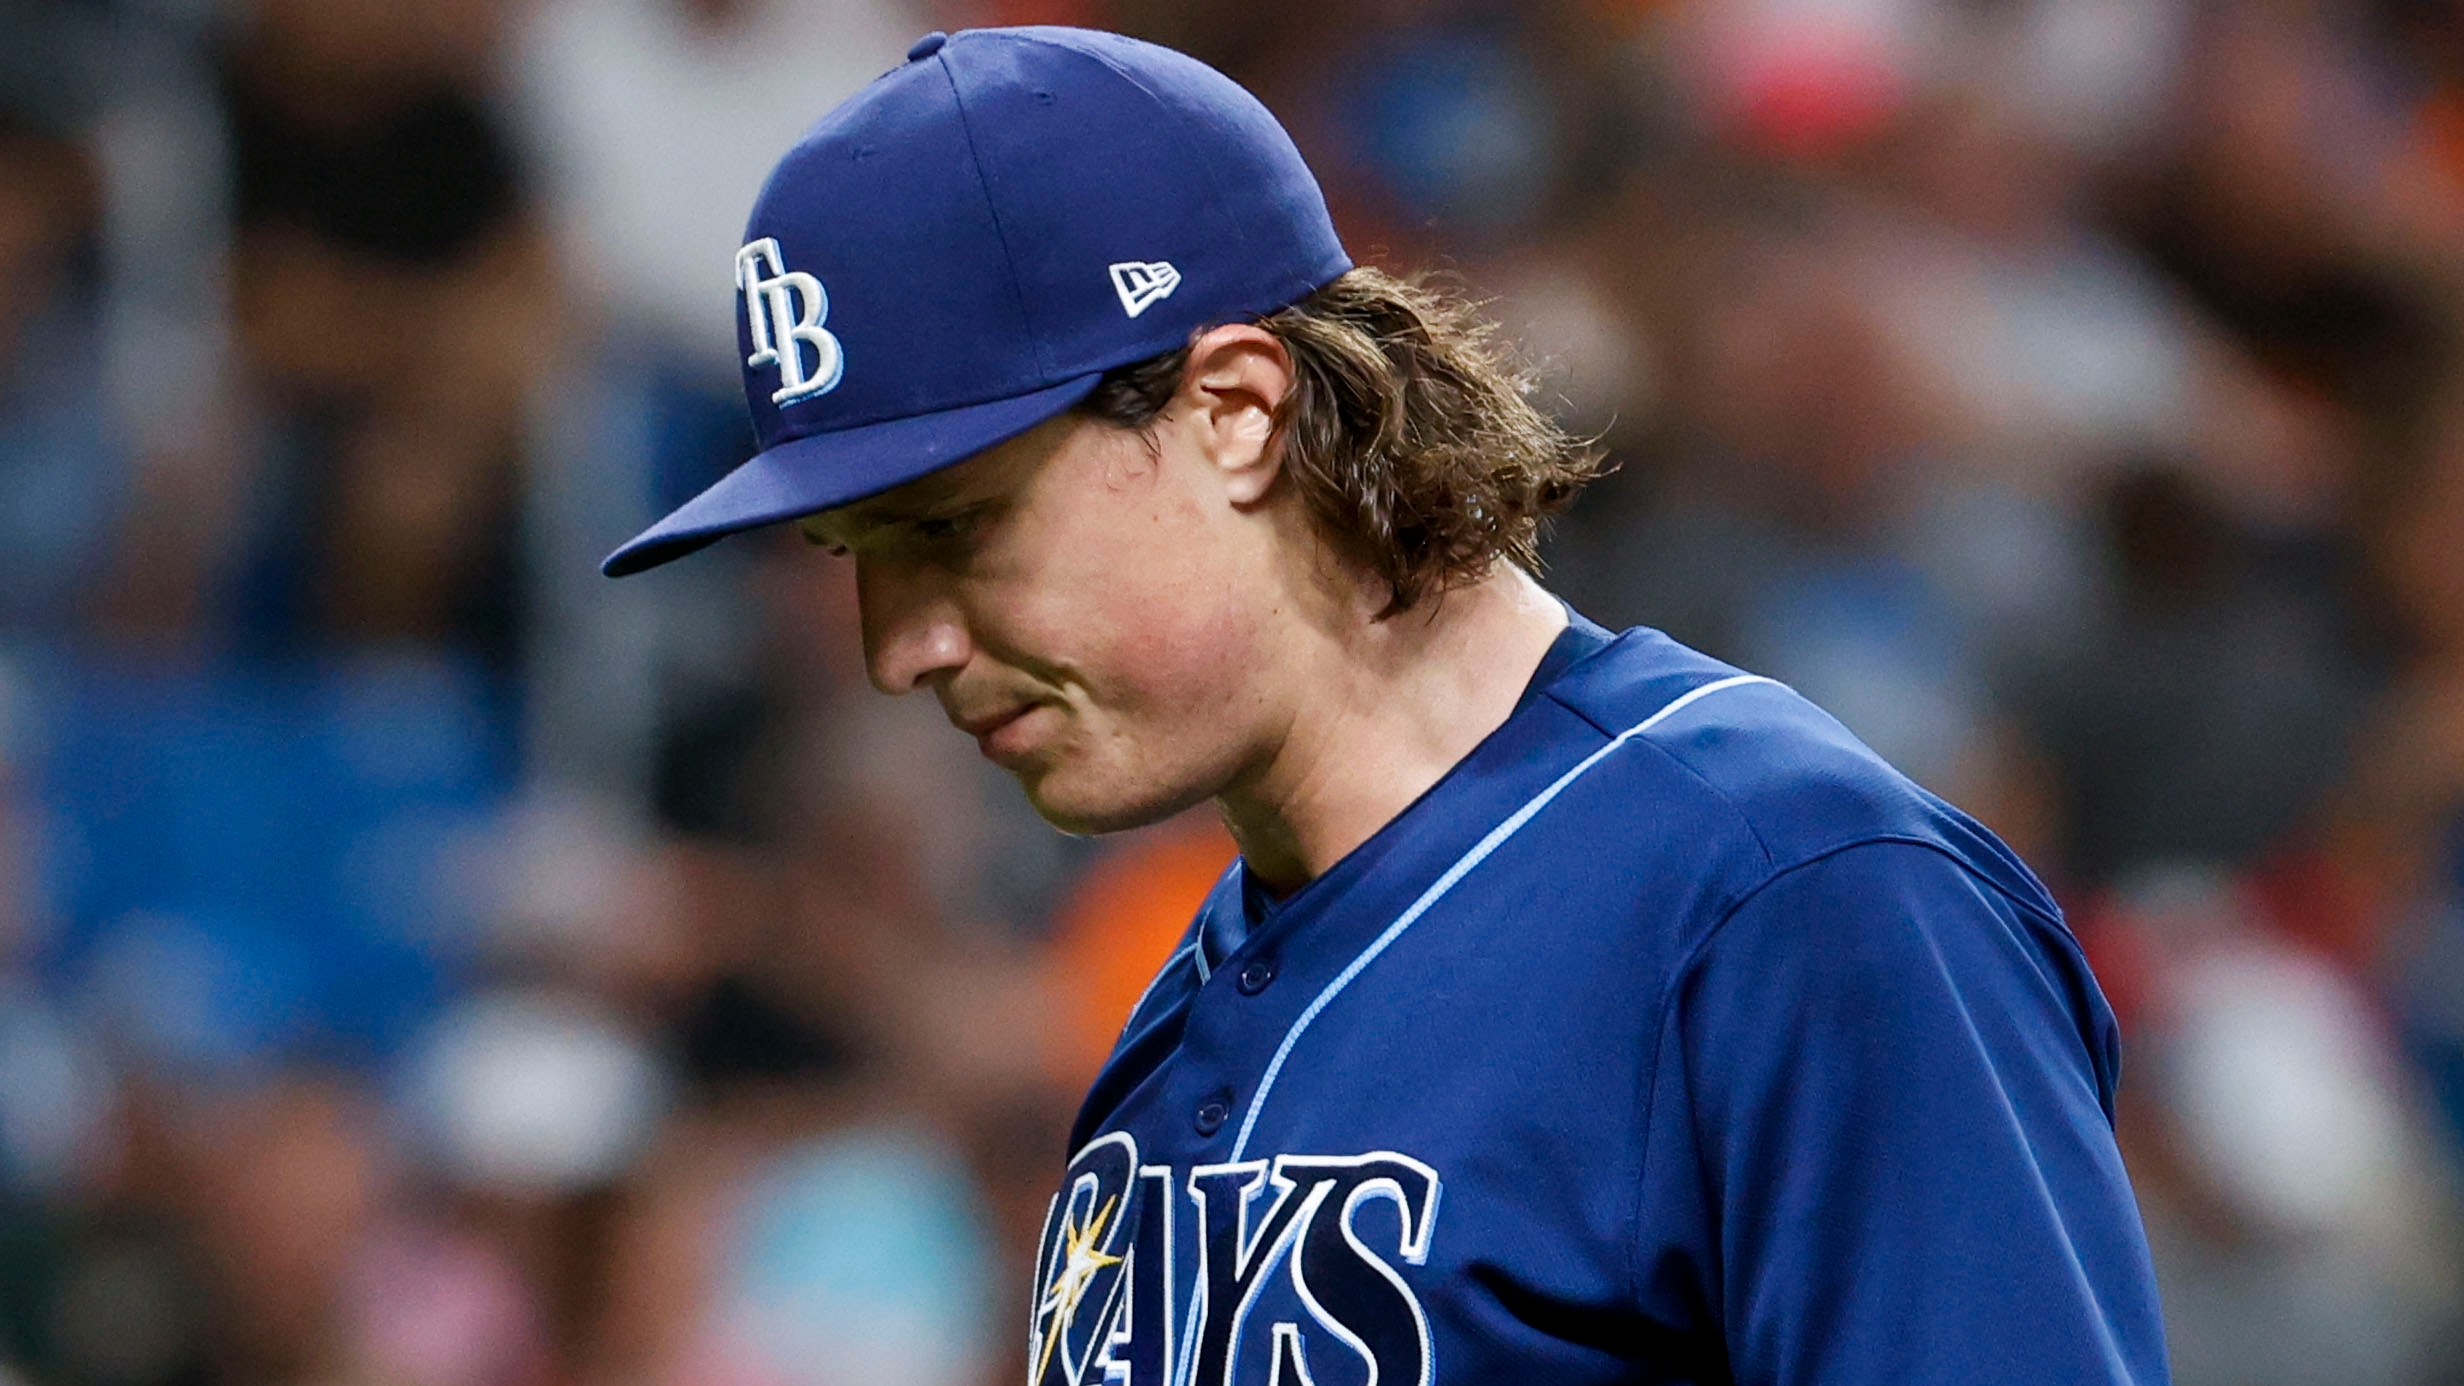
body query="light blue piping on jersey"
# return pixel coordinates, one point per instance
(1480, 851)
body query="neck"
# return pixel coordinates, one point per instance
(1381, 711)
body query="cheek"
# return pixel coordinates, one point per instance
(1125, 582)
(1141, 600)
(1165, 720)
(1183, 623)
(1184, 665)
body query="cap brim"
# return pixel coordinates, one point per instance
(822, 470)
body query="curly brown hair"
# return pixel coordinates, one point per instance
(1409, 431)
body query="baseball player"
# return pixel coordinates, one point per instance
(1581, 1009)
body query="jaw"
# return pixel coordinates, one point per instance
(1088, 785)
(1082, 811)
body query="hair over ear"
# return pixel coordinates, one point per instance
(1409, 431)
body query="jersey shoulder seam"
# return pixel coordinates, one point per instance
(1744, 820)
(1692, 956)
(1694, 951)
(1588, 720)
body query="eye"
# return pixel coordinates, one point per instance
(943, 529)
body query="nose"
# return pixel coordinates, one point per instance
(914, 631)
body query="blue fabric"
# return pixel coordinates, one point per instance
(1582, 638)
(1672, 1038)
(1221, 931)
(970, 241)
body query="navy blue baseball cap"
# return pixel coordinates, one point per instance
(962, 249)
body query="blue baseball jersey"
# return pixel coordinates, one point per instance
(1672, 1037)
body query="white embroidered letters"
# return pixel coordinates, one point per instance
(1278, 1261)
(784, 310)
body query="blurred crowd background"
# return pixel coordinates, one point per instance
(425, 963)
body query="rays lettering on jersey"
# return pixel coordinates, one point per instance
(1111, 1271)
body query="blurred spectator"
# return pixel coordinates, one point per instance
(853, 1259)
(2206, 715)
(62, 471)
(652, 123)
(2302, 1229)
(656, 121)
(2399, 838)
(391, 297)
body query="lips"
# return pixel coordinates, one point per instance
(986, 724)
(1000, 734)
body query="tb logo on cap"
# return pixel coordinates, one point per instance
(785, 309)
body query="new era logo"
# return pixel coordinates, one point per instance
(1143, 283)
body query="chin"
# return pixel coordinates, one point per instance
(1084, 805)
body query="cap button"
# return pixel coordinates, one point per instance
(926, 46)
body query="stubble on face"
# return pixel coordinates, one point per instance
(1113, 614)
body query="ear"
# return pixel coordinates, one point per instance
(1237, 378)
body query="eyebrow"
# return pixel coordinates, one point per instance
(875, 511)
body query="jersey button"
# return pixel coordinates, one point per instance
(1212, 1114)
(1255, 976)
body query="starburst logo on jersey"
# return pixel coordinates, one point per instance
(1283, 1258)
(1081, 1261)
(784, 311)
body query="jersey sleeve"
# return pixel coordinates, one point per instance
(1887, 1087)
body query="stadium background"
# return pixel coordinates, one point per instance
(423, 963)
